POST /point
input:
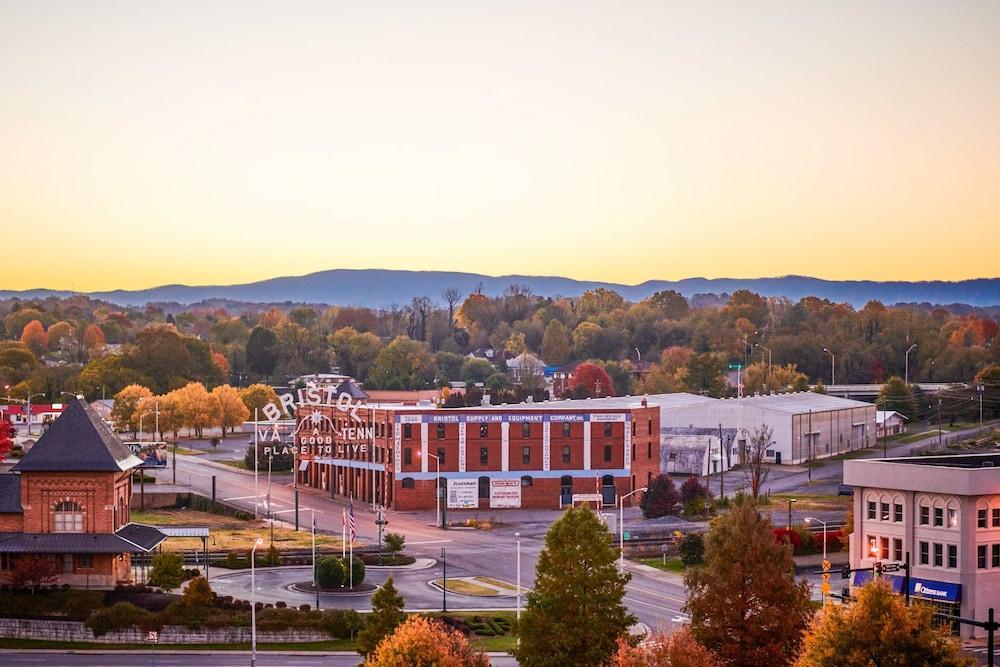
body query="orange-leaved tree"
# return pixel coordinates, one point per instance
(422, 642)
(34, 337)
(591, 381)
(662, 649)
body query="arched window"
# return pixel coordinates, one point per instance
(526, 480)
(924, 513)
(484, 487)
(407, 482)
(952, 514)
(68, 517)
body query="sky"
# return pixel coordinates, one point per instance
(223, 142)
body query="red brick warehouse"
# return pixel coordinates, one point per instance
(532, 456)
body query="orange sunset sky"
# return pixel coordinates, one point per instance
(161, 142)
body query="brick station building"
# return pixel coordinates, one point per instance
(533, 456)
(68, 501)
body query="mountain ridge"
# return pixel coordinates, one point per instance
(384, 287)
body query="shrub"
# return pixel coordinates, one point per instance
(280, 604)
(273, 556)
(304, 607)
(120, 616)
(198, 593)
(661, 499)
(692, 549)
(394, 543)
(330, 572)
(692, 488)
(357, 572)
(342, 623)
(167, 571)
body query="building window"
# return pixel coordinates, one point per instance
(981, 556)
(649, 427)
(897, 512)
(85, 561)
(634, 427)
(6, 562)
(407, 431)
(607, 429)
(925, 515)
(607, 453)
(995, 516)
(938, 516)
(565, 429)
(981, 518)
(407, 482)
(440, 431)
(440, 456)
(938, 554)
(649, 450)
(884, 506)
(484, 431)
(995, 554)
(526, 480)
(526, 455)
(407, 456)
(484, 487)
(952, 517)
(897, 549)
(525, 430)
(566, 454)
(924, 553)
(69, 517)
(484, 456)
(952, 556)
(872, 510)
(883, 551)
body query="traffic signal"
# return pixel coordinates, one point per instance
(878, 568)
(845, 572)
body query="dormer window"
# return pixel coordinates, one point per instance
(68, 517)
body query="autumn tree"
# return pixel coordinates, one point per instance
(93, 340)
(7, 434)
(34, 337)
(403, 364)
(703, 374)
(591, 381)
(555, 343)
(34, 570)
(879, 629)
(759, 378)
(198, 593)
(670, 303)
(753, 458)
(423, 642)
(197, 410)
(232, 410)
(661, 498)
(166, 571)
(355, 351)
(575, 613)
(256, 396)
(387, 614)
(58, 334)
(125, 413)
(221, 363)
(745, 604)
(662, 649)
(262, 351)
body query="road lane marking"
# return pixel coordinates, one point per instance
(655, 594)
(429, 542)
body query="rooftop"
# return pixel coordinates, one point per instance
(799, 402)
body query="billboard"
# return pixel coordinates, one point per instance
(505, 493)
(153, 454)
(463, 494)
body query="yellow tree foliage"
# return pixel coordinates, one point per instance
(34, 337)
(782, 379)
(125, 413)
(421, 642)
(257, 396)
(663, 649)
(272, 318)
(170, 412)
(197, 408)
(233, 411)
(58, 333)
(879, 629)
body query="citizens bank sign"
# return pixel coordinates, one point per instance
(315, 433)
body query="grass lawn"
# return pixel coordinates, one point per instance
(230, 533)
(466, 588)
(498, 583)
(188, 452)
(672, 565)
(913, 437)
(813, 501)
(332, 645)
(234, 464)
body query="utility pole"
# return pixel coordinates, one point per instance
(939, 421)
(980, 389)
(722, 464)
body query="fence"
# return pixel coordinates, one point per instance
(75, 631)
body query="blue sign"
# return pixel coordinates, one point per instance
(863, 577)
(935, 590)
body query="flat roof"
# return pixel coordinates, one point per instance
(799, 402)
(674, 400)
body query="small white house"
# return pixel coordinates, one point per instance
(695, 451)
(890, 422)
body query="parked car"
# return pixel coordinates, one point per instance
(845, 490)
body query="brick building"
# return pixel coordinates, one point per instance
(68, 500)
(535, 456)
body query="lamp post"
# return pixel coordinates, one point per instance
(810, 519)
(253, 603)
(790, 501)
(833, 366)
(980, 389)
(270, 511)
(768, 350)
(256, 493)
(315, 583)
(444, 581)
(745, 340)
(906, 364)
(517, 614)
(621, 527)
(31, 396)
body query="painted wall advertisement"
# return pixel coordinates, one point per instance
(463, 494)
(505, 493)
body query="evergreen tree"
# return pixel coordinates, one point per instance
(897, 396)
(555, 343)
(167, 571)
(575, 613)
(879, 629)
(745, 604)
(387, 614)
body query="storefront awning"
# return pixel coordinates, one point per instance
(927, 589)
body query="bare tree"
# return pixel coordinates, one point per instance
(420, 308)
(452, 296)
(754, 468)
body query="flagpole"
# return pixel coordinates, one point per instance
(343, 530)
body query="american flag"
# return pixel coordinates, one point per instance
(351, 522)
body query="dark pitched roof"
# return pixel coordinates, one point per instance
(352, 390)
(141, 535)
(67, 543)
(78, 441)
(10, 494)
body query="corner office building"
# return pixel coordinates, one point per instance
(941, 512)
(68, 500)
(535, 456)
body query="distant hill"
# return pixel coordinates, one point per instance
(382, 287)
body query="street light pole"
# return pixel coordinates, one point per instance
(444, 581)
(437, 487)
(315, 583)
(980, 388)
(790, 501)
(31, 396)
(517, 614)
(906, 363)
(833, 366)
(768, 350)
(253, 603)
(256, 493)
(621, 527)
(810, 519)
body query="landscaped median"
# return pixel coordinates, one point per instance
(477, 586)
